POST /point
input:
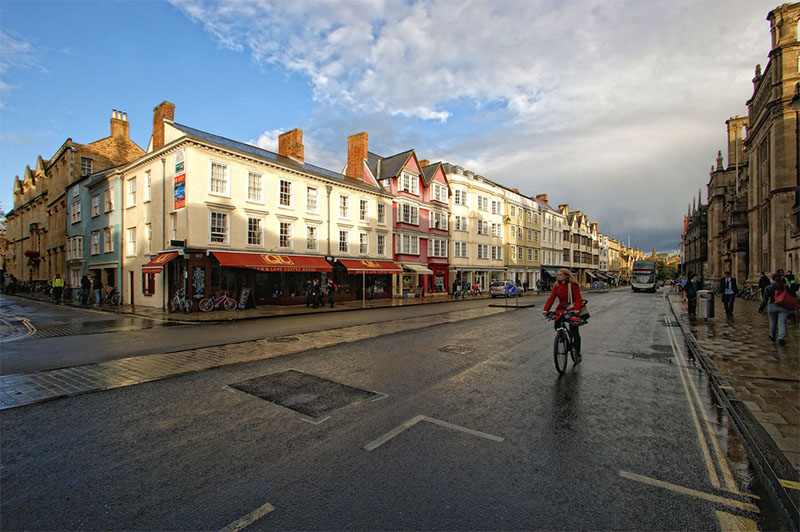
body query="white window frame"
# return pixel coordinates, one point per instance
(381, 213)
(130, 240)
(381, 245)
(408, 244)
(460, 197)
(439, 219)
(108, 240)
(87, 167)
(440, 192)
(461, 223)
(497, 252)
(214, 236)
(312, 200)
(344, 207)
(75, 212)
(460, 249)
(148, 238)
(409, 183)
(108, 199)
(95, 205)
(255, 187)
(285, 237)
(408, 214)
(285, 194)
(363, 209)
(94, 246)
(344, 241)
(363, 243)
(223, 183)
(131, 195)
(437, 247)
(483, 203)
(147, 185)
(312, 237)
(483, 251)
(255, 238)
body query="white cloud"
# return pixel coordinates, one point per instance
(16, 53)
(536, 94)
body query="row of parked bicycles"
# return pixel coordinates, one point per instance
(179, 302)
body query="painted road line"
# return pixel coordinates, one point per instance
(791, 484)
(416, 419)
(688, 491)
(734, 523)
(712, 470)
(249, 519)
(25, 321)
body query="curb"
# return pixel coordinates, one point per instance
(770, 464)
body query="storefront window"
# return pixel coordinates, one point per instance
(438, 282)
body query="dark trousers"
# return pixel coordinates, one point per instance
(727, 302)
(574, 336)
(57, 291)
(84, 296)
(692, 305)
(330, 298)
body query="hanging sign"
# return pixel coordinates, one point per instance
(180, 181)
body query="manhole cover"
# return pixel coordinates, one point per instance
(284, 339)
(457, 349)
(310, 395)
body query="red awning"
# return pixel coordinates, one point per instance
(272, 263)
(370, 266)
(156, 265)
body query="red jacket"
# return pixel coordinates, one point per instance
(560, 291)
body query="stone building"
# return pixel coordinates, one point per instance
(695, 240)
(36, 226)
(771, 181)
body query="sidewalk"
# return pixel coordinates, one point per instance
(758, 381)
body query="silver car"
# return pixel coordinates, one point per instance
(500, 289)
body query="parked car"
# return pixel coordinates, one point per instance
(500, 288)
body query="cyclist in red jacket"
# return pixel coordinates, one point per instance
(569, 298)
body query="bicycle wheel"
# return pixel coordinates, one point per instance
(173, 305)
(186, 306)
(560, 352)
(115, 299)
(206, 304)
(230, 304)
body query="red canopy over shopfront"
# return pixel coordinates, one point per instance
(156, 265)
(370, 266)
(271, 262)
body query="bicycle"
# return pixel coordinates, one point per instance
(562, 346)
(112, 297)
(180, 302)
(210, 303)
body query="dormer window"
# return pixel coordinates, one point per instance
(86, 166)
(410, 184)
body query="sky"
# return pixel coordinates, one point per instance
(615, 107)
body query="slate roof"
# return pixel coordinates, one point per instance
(261, 153)
(429, 171)
(389, 166)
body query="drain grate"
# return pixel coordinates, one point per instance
(284, 339)
(457, 349)
(93, 327)
(308, 394)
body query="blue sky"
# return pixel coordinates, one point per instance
(616, 107)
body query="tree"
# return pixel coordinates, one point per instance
(666, 271)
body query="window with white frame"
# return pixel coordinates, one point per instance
(483, 227)
(363, 243)
(344, 238)
(410, 184)
(255, 231)
(381, 245)
(437, 247)
(285, 193)
(344, 206)
(440, 192)
(530, 216)
(536, 236)
(513, 211)
(520, 234)
(173, 223)
(460, 250)
(495, 207)
(75, 191)
(483, 203)
(131, 241)
(255, 187)
(219, 227)
(147, 184)
(285, 235)
(108, 240)
(461, 223)
(363, 210)
(381, 213)
(459, 197)
(95, 243)
(75, 212)
(219, 179)
(75, 248)
(312, 199)
(108, 200)
(408, 214)
(483, 251)
(95, 205)
(535, 218)
(409, 244)
(312, 237)
(86, 166)
(533, 254)
(519, 213)
(131, 192)
(497, 253)
(520, 253)
(496, 230)
(530, 234)
(148, 238)
(438, 220)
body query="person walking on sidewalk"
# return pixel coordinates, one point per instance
(309, 293)
(86, 288)
(331, 287)
(690, 290)
(58, 287)
(729, 289)
(763, 283)
(777, 314)
(97, 285)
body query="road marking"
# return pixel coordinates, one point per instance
(323, 420)
(734, 523)
(249, 519)
(730, 482)
(383, 396)
(25, 321)
(688, 491)
(791, 484)
(416, 419)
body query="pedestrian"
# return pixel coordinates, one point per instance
(316, 294)
(455, 287)
(331, 287)
(309, 290)
(58, 287)
(690, 290)
(791, 283)
(86, 288)
(777, 314)
(763, 283)
(97, 286)
(727, 286)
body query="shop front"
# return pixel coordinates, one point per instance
(414, 279)
(364, 279)
(438, 281)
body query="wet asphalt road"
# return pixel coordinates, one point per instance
(504, 443)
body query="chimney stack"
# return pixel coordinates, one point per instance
(164, 111)
(542, 197)
(424, 162)
(356, 155)
(120, 128)
(290, 144)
